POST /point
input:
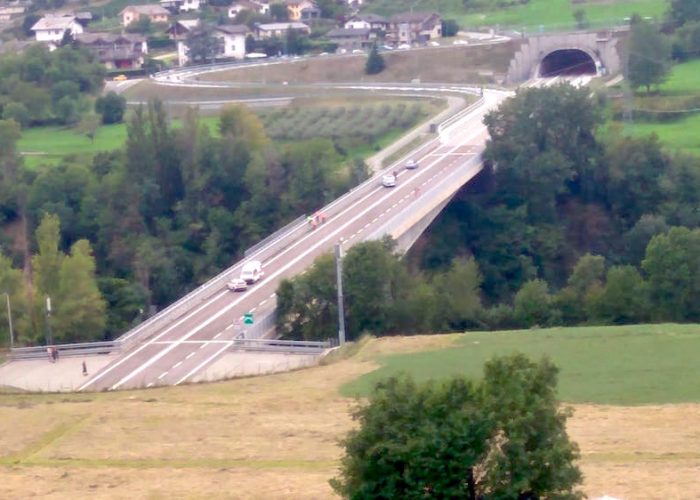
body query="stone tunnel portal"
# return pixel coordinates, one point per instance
(567, 62)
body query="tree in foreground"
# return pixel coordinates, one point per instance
(649, 58)
(375, 62)
(502, 438)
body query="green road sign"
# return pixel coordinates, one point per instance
(248, 319)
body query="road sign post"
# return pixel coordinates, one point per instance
(248, 319)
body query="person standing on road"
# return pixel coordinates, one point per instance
(85, 372)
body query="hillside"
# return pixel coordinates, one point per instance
(276, 436)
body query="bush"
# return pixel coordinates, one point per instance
(111, 107)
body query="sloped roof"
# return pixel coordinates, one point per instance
(146, 10)
(295, 25)
(412, 17)
(348, 32)
(370, 18)
(233, 29)
(109, 37)
(53, 23)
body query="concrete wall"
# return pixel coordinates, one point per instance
(601, 46)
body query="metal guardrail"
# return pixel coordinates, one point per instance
(77, 349)
(288, 346)
(277, 234)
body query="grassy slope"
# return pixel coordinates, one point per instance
(608, 365)
(552, 14)
(682, 134)
(277, 437)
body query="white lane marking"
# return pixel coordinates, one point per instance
(201, 346)
(176, 365)
(189, 355)
(150, 384)
(203, 363)
(162, 375)
(218, 335)
(229, 326)
(262, 303)
(272, 295)
(290, 263)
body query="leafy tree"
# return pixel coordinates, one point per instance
(46, 264)
(672, 264)
(12, 283)
(375, 62)
(450, 27)
(459, 294)
(142, 25)
(203, 45)
(533, 304)
(625, 298)
(649, 56)
(637, 238)
(80, 308)
(459, 439)
(684, 11)
(18, 112)
(89, 125)
(279, 12)
(588, 272)
(67, 110)
(112, 107)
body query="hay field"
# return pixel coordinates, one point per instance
(276, 437)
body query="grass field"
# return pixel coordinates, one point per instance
(277, 436)
(683, 80)
(552, 14)
(606, 365)
(682, 135)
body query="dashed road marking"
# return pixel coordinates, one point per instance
(189, 355)
(162, 375)
(177, 364)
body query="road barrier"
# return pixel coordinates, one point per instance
(81, 349)
(288, 346)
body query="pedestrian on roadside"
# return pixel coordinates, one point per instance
(84, 369)
(49, 351)
(55, 354)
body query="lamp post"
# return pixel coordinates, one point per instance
(9, 321)
(49, 336)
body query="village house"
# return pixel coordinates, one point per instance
(368, 21)
(414, 27)
(182, 28)
(352, 39)
(302, 10)
(155, 13)
(52, 29)
(270, 30)
(125, 51)
(240, 5)
(231, 44)
(10, 13)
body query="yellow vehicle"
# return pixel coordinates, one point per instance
(120, 78)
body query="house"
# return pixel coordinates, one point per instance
(10, 13)
(155, 13)
(124, 51)
(369, 21)
(240, 5)
(52, 29)
(181, 29)
(269, 30)
(231, 43)
(302, 10)
(351, 39)
(414, 27)
(84, 18)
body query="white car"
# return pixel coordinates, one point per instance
(411, 164)
(460, 42)
(358, 51)
(404, 46)
(237, 285)
(388, 47)
(389, 180)
(434, 44)
(252, 271)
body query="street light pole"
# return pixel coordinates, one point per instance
(9, 320)
(341, 307)
(49, 336)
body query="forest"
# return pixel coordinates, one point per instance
(571, 222)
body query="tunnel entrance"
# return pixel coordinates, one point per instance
(567, 62)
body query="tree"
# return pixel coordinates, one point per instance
(203, 45)
(79, 306)
(684, 11)
(279, 12)
(625, 298)
(648, 56)
(142, 25)
(459, 294)
(67, 110)
(112, 107)
(533, 304)
(672, 264)
(46, 264)
(18, 112)
(450, 27)
(375, 62)
(89, 125)
(460, 439)
(12, 283)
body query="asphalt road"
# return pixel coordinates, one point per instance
(196, 339)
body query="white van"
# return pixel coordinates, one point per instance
(252, 271)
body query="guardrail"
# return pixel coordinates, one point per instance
(277, 234)
(78, 349)
(288, 346)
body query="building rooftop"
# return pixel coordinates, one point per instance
(234, 29)
(295, 25)
(147, 10)
(412, 17)
(53, 23)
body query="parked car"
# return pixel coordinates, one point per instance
(434, 43)
(237, 285)
(251, 271)
(388, 47)
(389, 180)
(358, 51)
(120, 78)
(411, 164)
(404, 46)
(460, 42)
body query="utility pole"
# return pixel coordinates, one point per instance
(49, 335)
(341, 307)
(9, 320)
